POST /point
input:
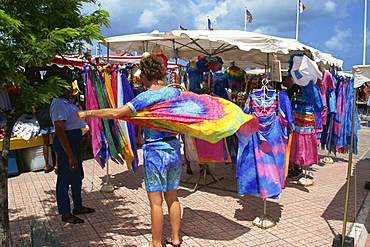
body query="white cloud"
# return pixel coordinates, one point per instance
(338, 42)
(153, 13)
(329, 7)
(147, 19)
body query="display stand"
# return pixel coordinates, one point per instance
(264, 221)
(107, 187)
(204, 171)
(305, 181)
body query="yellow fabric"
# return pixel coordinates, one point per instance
(125, 148)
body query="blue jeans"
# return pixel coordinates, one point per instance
(66, 177)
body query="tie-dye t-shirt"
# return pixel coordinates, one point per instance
(148, 98)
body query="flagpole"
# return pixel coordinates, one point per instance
(364, 51)
(296, 28)
(245, 19)
(207, 22)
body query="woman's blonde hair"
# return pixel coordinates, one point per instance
(152, 68)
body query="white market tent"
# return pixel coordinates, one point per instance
(247, 49)
(361, 74)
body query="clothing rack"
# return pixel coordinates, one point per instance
(205, 170)
(264, 221)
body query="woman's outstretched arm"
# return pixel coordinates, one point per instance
(109, 113)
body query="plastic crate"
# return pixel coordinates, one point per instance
(12, 163)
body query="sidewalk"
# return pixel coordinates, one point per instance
(305, 216)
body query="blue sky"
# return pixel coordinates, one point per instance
(332, 26)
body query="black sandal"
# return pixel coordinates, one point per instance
(48, 169)
(169, 241)
(72, 219)
(83, 210)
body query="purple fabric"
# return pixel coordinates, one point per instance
(127, 96)
(92, 104)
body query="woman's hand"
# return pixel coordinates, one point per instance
(73, 164)
(81, 114)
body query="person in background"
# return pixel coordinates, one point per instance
(292, 88)
(42, 116)
(162, 158)
(70, 171)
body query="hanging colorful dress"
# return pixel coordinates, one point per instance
(262, 159)
(237, 79)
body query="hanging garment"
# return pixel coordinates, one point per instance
(326, 83)
(121, 140)
(348, 101)
(312, 94)
(125, 94)
(261, 162)
(99, 147)
(212, 152)
(195, 77)
(339, 132)
(304, 150)
(203, 116)
(219, 85)
(261, 159)
(191, 154)
(108, 140)
(237, 79)
(276, 100)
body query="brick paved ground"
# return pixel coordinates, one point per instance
(305, 216)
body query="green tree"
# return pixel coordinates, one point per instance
(32, 32)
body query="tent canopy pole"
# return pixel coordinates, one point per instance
(349, 170)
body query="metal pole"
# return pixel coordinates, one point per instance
(364, 51)
(209, 73)
(296, 27)
(107, 173)
(108, 53)
(245, 19)
(349, 170)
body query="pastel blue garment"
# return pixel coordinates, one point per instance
(332, 101)
(312, 94)
(345, 139)
(261, 162)
(63, 109)
(339, 133)
(260, 166)
(162, 158)
(195, 77)
(219, 85)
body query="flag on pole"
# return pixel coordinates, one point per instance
(182, 28)
(301, 6)
(209, 24)
(248, 16)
